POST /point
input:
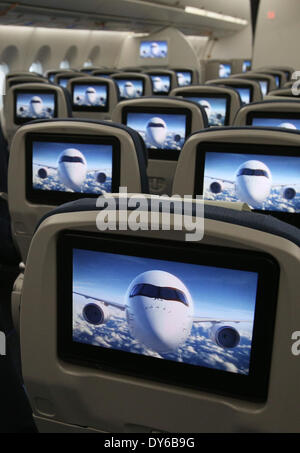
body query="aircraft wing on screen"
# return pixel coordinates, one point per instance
(104, 302)
(197, 320)
(219, 179)
(45, 166)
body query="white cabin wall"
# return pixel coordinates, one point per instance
(277, 40)
(237, 45)
(199, 44)
(181, 53)
(52, 45)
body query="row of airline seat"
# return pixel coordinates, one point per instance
(50, 409)
(160, 172)
(48, 406)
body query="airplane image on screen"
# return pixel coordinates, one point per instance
(72, 170)
(159, 85)
(90, 97)
(253, 184)
(35, 109)
(160, 313)
(157, 132)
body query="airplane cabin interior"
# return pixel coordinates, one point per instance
(149, 218)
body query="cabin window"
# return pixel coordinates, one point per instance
(88, 64)
(37, 67)
(64, 64)
(4, 69)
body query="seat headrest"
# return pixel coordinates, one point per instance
(30, 101)
(231, 101)
(267, 109)
(267, 224)
(43, 182)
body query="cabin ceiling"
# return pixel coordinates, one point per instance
(140, 16)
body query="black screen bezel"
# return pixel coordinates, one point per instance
(159, 74)
(253, 386)
(243, 148)
(34, 92)
(277, 115)
(191, 94)
(161, 154)
(44, 197)
(84, 108)
(129, 79)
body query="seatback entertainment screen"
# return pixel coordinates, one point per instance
(32, 105)
(164, 131)
(167, 311)
(266, 178)
(61, 168)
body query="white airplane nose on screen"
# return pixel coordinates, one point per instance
(72, 169)
(253, 182)
(156, 132)
(36, 105)
(160, 310)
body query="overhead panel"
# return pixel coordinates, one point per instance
(124, 15)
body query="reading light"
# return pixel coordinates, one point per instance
(214, 15)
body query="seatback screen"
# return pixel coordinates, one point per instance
(216, 108)
(289, 122)
(266, 178)
(165, 310)
(247, 66)
(89, 97)
(264, 87)
(245, 94)
(32, 105)
(130, 88)
(63, 81)
(63, 169)
(161, 83)
(163, 132)
(184, 78)
(224, 70)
